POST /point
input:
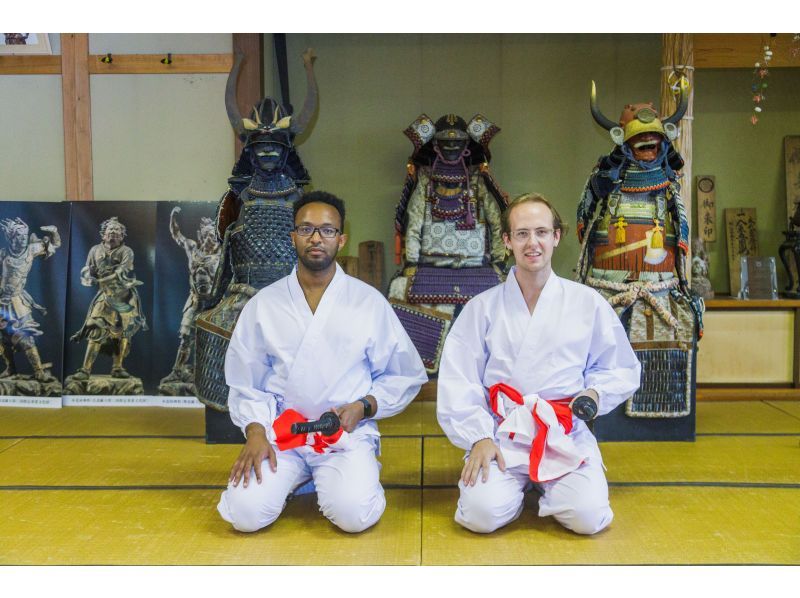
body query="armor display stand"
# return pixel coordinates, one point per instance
(220, 428)
(618, 426)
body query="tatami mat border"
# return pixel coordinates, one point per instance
(779, 485)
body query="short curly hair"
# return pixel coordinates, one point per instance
(320, 197)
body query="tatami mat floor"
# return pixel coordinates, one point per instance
(83, 485)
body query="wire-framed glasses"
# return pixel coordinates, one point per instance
(523, 234)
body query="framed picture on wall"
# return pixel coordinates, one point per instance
(25, 43)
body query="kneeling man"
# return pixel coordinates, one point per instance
(519, 360)
(315, 341)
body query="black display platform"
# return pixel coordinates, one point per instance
(618, 427)
(220, 428)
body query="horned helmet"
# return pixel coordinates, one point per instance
(640, 126)
(269, 133)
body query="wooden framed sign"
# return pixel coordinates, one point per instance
(742, 238)
(706, 207)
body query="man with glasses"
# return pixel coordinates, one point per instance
(315, 341)
(522, 368)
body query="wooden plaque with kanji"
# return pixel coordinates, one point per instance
(742, 238)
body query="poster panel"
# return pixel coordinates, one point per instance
(108, 333)
(34, 250)
(187, 256)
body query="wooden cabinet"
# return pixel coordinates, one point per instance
(750, 350)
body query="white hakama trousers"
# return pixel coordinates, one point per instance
(577, 500)
(349, 492)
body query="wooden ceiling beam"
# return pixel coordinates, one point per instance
(742, 50)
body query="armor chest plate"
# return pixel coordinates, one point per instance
(636, 234)
(443, 238)
(261, 245)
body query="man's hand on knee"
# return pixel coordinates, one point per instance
(479, 459)
(255, 451)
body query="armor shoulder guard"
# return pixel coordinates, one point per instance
(227, 212)
(676, 206)
(222, 278)
(401, 217)
(607, 174)
(499, 195)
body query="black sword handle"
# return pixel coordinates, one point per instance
(327, 424)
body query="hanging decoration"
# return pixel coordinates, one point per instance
(759, 85)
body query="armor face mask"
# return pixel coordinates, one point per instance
(268, 155)
(451, 137)
(643, 131)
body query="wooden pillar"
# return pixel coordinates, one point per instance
(249, 89)
(77, 110)
(677, 58)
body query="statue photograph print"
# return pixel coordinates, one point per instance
(111, 282)
(187, 255)
(32, 294)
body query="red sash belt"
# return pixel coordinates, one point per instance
(562, 455)
(282, 426)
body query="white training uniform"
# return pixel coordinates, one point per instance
(572, 341)
(283, 356)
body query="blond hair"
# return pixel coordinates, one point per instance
(558, 224)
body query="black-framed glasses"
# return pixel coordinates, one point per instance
(326, 232)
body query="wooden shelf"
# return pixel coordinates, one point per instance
(138, 64)
(728, 302)
(30, 65)
(122, 64)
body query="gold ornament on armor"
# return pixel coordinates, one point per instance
(620, 225)
(657, 240)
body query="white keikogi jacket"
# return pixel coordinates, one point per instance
(283, 356)
(572, 341)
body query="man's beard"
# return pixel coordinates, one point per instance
(317, 265)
